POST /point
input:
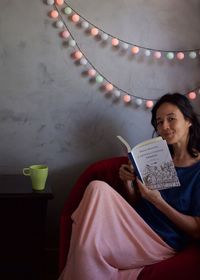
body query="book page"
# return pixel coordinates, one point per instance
(128, 147)
(155, 164)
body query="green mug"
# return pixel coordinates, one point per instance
(38, 174)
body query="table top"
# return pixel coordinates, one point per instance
(13, 185)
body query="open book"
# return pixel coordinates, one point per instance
(153, 163)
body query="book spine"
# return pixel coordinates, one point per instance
(137, 173)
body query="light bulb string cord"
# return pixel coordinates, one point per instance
(130, 43)
(100, 73)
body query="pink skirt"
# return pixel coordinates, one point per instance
(109, 239)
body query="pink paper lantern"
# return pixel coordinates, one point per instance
(180, 55)
(115, 42)
(109, 87)
(75, 18)
(135, 50)
(94, 31)
(149, 104)
(91, 72)
(192, 95)
(54, 14)
(65, 34)
(59, 2)
(157, 54)
(127, 98)
(78, 55)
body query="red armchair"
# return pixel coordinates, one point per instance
(185, 265)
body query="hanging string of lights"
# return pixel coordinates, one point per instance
(92, 71)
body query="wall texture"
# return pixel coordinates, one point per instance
(50, 113)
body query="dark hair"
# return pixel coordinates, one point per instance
(184, 105)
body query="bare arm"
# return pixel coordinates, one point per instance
(189, 224)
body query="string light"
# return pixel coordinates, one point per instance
(135, 50)
(109, 87)
(67, 11)
(157, 54)
(170, 54)
(78, 55)
(54, 14)
(59, 2)
(59, 24)
(115, 42)
(94, 31)
(127, 98)
(192, 95)
(75, 18)
(91, 72)
(65, 34)
(99, 78)
(149, 104)
(180, 55)
(50, 2)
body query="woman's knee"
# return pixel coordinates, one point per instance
(97, 185)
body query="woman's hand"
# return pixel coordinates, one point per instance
(126, 172)
(152, 196)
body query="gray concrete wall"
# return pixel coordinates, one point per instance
(50, 113)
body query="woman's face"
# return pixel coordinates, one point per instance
(171, 124)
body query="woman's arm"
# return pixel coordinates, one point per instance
(189, 224)
(127, 175)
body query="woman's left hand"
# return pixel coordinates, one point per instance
(152, 196)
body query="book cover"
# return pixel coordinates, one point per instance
(153, 163)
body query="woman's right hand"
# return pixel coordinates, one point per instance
(126, 172)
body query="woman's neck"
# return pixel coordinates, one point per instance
(182, 158)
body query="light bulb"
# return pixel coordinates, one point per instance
(157, 54)
(109, 87)
(75, 18)
(180, 55)
(138, 101)
(91, 72)
(147, 52)
(127, 98)
(59, 24)
(72, 43)
(83, 61)
(50, 2)
(192, 95)
(78, 55)
(192, 55)
(104, 36)
(135, 50)
(67, 11)
(115, 42)
(149, 104)
(84, 24)
(54, 14)
(59, 2)
(116, 93)
(170, 55)
(94, 31)
(65, 34)
(124, 46)
(99, 79)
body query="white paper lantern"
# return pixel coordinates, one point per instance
(59, 24)
(104, 36)
(50, 2)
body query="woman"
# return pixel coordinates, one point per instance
(114, 239)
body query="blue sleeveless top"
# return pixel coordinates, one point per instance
(185, 199)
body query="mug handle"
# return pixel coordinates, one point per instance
(26, 171)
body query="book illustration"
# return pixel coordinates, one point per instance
(152, 163)
(156, 176)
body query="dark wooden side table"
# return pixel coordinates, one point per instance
(22, 228)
